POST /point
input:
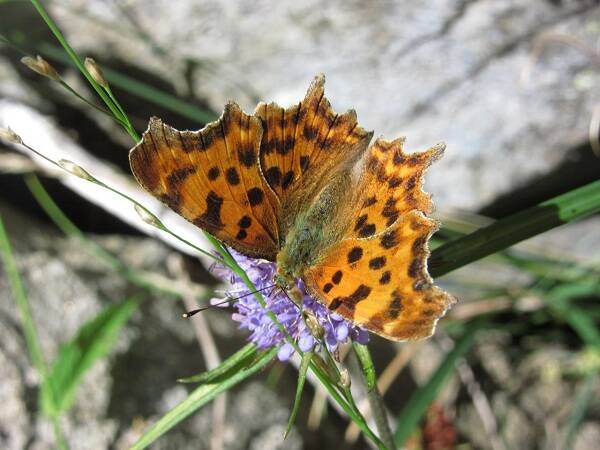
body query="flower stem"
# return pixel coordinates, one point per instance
(373, 394)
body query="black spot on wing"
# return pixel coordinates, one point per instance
(273, 176)
(255, 196)
(369, 202)
(232, 176)
(389, 239)
(245, 222)
(350, 301)
(367, 230)
(287, 179)
(337, 277)
(304, 163)
(213, 173)
(354, 255)
(210, 220)
(247, 155)
(377, 263)
(385, 277)
(395, 305)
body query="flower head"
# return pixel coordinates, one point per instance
(263, 331)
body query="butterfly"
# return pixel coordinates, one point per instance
(301, 187)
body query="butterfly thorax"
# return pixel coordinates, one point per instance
(315, 229)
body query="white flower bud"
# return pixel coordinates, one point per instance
(345, 380)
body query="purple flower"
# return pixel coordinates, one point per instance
(263, 332)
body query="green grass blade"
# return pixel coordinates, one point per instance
(239, 358)
(304, 364)
(578, 203)
(139, 89)
(29, 330)
(31, 337)
(419, 402)
(198, 398)
(76, 60)
(373, 394)
(92, 342)
(559, 299)
(70, 229)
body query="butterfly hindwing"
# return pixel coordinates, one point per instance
(212, 177)
(381, 282)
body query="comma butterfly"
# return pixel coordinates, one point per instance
(301, 187)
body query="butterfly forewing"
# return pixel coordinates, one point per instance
(302, 144)
(212, 178)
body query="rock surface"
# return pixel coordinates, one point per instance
(509, 86)
(123, 394)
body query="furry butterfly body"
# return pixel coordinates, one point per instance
(301, 187)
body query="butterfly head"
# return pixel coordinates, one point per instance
(283, 279)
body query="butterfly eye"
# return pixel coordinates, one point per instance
(281, 280)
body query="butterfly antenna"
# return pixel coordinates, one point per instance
(291, 300)
(193, 312)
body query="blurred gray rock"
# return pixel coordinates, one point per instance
(505, 84)
(123, 394)
(533, 406)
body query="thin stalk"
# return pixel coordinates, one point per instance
(349, 407)
(575, 204)
(87, 102)
(70, 229)
(64, 84)
(75, 58)
(373, 395)
(140, 89)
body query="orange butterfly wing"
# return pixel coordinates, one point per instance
(212, 177)
(377, 275)
(302, 144)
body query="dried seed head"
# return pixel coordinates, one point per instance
(147, 216)
(313, 324)
(41, 66)
(345, 380)
(75, 169)
(96, 73)
(8, 135)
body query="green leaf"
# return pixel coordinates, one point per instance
(306, 358)
(200, 397)
(31, 338)
(93, 341)
(419, 402)
(506, 232)
(559, 299)
(239, 358)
